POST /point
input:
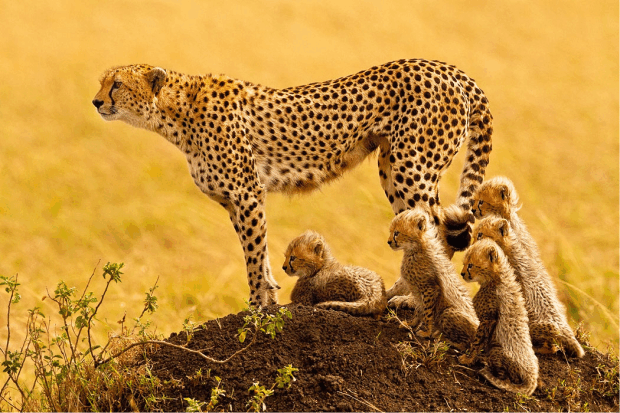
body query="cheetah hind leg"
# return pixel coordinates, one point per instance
(571, 345)
(456, 328)
(545, 337)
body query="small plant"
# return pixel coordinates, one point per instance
(429, 354)
(259, 392)
(285, 376)
(521, 401)
(260, 321)
(257, 402)
(194, 405)
(216, 393)
(189, 326)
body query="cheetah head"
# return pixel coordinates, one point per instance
(482, 262)
(496, 196)
(408, 229)
(127, 93)
(495, 228)
(305, 255)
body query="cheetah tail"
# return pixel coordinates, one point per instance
(477, 157)
(361, 307)
(527, 387)
(457, 228)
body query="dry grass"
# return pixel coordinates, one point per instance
(74, 189)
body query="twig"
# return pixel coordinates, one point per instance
(8, 319)
(89, 279)
(151, 290)
(367, 403)
(466, 368)
(189, 350)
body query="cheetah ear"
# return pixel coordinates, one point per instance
(503, 191)
(318, 248)
(503, 228)
(422, 224)
(492, 255)
(157, 79)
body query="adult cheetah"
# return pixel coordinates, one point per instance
(242, 140)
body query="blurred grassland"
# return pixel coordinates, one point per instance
(75, 190)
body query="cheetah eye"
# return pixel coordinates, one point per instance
(116, 85)
(469, 266)
(396, 233)
(480, 202)
(292, 258)
(480, 235)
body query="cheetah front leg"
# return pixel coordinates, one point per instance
(248, 218)
(482, 339)
(385, 176)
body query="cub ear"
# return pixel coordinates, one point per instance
(318, 248)
(492, 255)
(503, 227)
(421, 224)
(504, 192)
(156, 78)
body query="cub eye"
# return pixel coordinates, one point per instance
(469, 266)
(396, 233)
(116, 85)
(480, 235)
(480, 202)
(292, 258)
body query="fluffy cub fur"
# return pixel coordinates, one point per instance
(326, 283)
(503, 333)
(433, 283)
(497, 200)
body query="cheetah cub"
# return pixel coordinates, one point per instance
(498, 198)
(503, 332)
(434, 284)
(547, 322)
(326, 283)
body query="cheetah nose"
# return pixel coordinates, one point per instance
(97, 103)
(389, 242)
(463, 274)
(284, 267)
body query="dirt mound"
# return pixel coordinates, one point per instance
(356, 363)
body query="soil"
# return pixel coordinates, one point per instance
(351, 363)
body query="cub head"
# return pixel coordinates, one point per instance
(495, 228)
(483, 262)
(408, 228)
(127, 92)
(306, 255)
(497, 196)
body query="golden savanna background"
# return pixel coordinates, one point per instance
(76, 190)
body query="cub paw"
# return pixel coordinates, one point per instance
(466, 360)
(402, 302)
